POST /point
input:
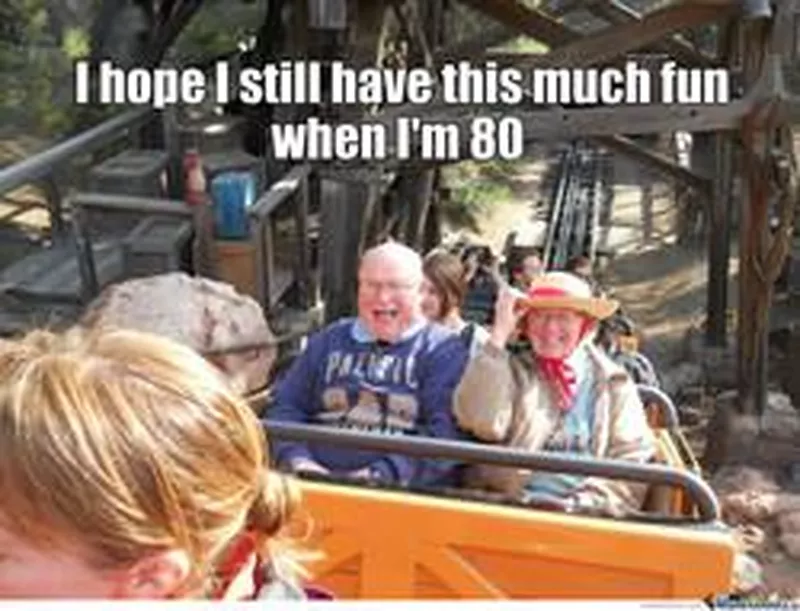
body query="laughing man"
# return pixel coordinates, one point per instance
(386, 371)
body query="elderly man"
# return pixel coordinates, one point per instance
(388, 370)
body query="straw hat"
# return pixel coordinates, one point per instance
(565, 291)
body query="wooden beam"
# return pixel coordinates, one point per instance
(615, 11)
(656, 161)
(533, 22)
(576, 50)
(603, 124)
(618, 40)
(565, 7)
(559, 123)
(618, 144)
(474, 45)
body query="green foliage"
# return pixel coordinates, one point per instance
(76, 43)
(217, 28)
(41, 39)
(523, 44)
(32, 69)
(473, 187)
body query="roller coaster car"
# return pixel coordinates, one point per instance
(380, 542)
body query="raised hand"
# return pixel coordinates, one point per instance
(507, 315)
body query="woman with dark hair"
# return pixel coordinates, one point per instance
(443, 292)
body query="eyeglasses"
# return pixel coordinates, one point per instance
(373, 286)
(560, 317)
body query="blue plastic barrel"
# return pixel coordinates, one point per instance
(232, 193)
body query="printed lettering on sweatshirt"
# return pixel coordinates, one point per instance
(370, 391)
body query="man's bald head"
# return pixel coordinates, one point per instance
(390, 290)
(395, 253)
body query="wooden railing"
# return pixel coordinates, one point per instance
(43, 166)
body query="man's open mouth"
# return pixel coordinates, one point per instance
(385, 314)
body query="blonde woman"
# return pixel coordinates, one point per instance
(128, 469)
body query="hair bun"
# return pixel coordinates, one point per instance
(275, 504)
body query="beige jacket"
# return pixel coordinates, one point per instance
(501, 400)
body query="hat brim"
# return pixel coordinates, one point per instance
(594, 307)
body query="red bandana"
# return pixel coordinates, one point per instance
(562, 379)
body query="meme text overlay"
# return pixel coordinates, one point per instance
(425, 122)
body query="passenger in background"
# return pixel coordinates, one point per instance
(564, 395)
(526, 270)
(582, 267)
(387, 371)
(443, 291)
(129, 469)
(482, 279)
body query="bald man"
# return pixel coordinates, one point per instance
(387, 370)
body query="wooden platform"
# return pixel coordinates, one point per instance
(44, 288)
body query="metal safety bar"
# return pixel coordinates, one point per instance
(698, 490)
(651, 394)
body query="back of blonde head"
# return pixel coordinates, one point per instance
(130, 444)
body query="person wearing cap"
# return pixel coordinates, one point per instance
(563, 395)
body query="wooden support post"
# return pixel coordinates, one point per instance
(768, 161)
(699, 206)
(343, 208)
(719, 238)
(301, 207)
(415, 185)
(719, 212)
(416, 191)
(346, 206)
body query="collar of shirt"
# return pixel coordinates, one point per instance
(579, 362)
(362, 335)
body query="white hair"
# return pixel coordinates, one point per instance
(399, 253)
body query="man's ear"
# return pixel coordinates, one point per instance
(160, 575)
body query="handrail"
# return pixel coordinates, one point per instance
(40, 164)
(130, 203)
(279, 191)
(559, 192)
(697, 489)
(651, 394)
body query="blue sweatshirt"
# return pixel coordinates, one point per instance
(345, 378)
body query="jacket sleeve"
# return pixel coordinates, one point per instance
(443, 371)
(630, 438)
(483, 401)
(293, 399)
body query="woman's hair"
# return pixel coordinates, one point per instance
(578, 262)
(482, 253)
(446, 273)
(132, 444)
